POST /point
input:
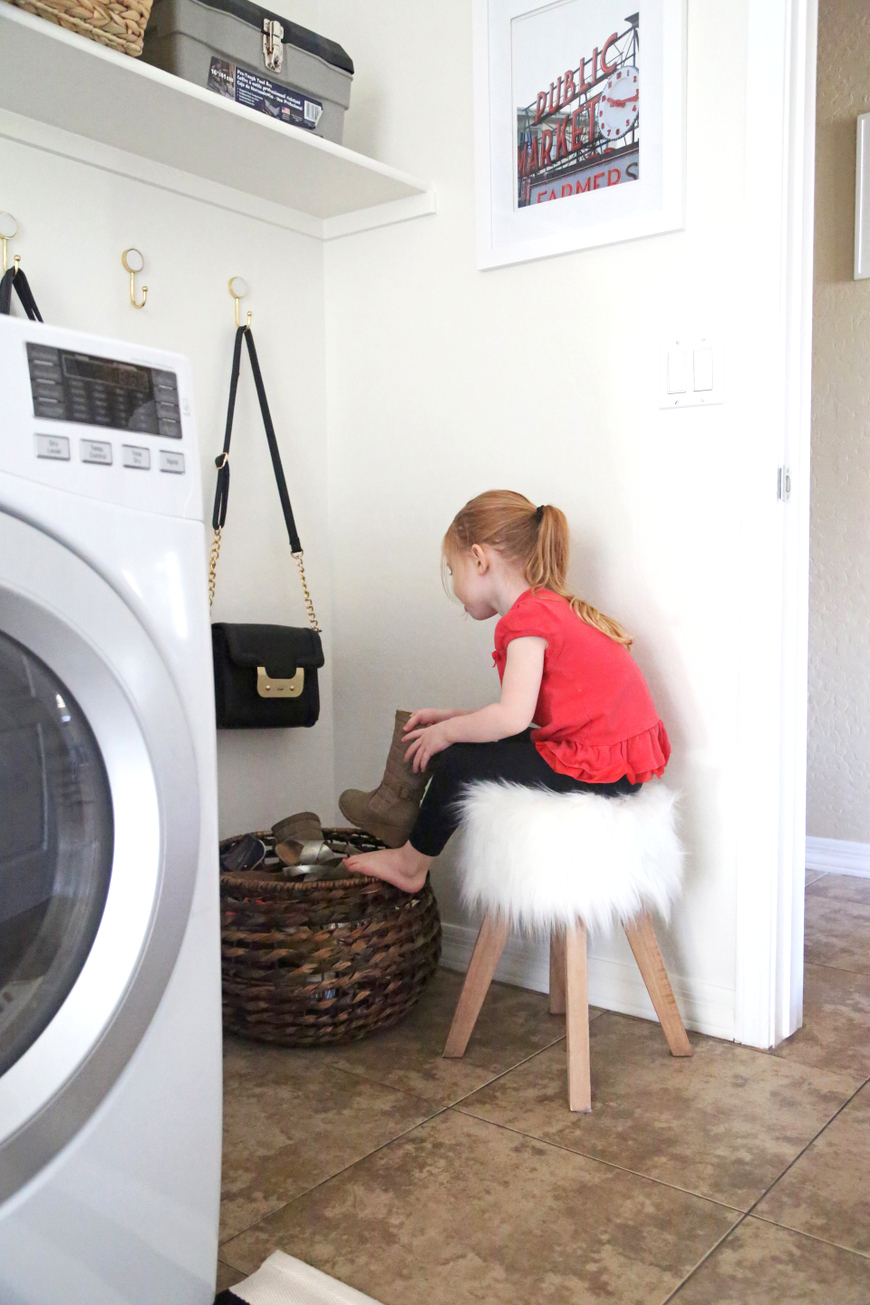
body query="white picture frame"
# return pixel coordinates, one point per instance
(515, 42)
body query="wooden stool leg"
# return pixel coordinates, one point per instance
(579, 1084)
(642, 941)
(487, 952)
(557, 972)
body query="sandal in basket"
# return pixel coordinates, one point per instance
(314, 859)
(245, 854)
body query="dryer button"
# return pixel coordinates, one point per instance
(172, 462)
(52, 446)
(96, 451)
(136, 457)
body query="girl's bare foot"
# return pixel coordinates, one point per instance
(404, 867)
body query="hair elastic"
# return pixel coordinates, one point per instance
(539, 514)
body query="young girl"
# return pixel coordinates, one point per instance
(564, 667)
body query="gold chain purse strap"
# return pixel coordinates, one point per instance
(309, 604)
(222, 462)
(212, 565)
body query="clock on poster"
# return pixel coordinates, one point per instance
(618, 110)
(569, 154)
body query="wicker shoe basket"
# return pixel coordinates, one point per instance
(318, 961)
(120, 24)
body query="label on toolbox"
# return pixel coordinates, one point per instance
(280, 102)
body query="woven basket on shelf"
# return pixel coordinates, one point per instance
(319, 961)
(120, 24)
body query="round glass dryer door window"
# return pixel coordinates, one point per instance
(56, 846)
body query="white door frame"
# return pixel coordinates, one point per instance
(780, 117)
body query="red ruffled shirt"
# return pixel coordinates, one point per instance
(595, 716)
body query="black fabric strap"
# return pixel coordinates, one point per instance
(14, 277)
(222, 489)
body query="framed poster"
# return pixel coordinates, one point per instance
(579, 124)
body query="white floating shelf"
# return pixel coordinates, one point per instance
(57, 78)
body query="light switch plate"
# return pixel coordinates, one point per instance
(691, 372)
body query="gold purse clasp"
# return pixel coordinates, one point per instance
(269, 687)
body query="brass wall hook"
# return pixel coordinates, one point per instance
(238, 288)
(8, 229)
(134, 262)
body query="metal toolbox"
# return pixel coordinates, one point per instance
(252, 56)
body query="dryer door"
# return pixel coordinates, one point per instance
(56, 843)
(99, 837)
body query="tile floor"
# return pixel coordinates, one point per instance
(738, 1177)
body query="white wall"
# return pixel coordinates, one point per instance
(444, 381)
(839, 733)
(434, 381)
(74, 222)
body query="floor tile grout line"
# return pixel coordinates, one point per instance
(457, 1104)
(806, 1148)
(506, 1128)
(801, 1232)
(367, 1078)
(428, 1118)
(497, 1074)
(505, 1072)
(838, 896)
(820, 965)
(441, 1109)
(704, 1258)
(751, 1211)
(269, 1213)
(610, 1164)
(377, 1082)
(661, 1181)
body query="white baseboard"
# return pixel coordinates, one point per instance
(836, 856)
(612, 984)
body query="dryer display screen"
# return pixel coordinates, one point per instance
(79, 387)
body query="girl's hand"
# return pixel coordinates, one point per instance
(426, 742)
(426, 716)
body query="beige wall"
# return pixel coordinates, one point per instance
(838, 796)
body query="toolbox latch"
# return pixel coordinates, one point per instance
(273, 44)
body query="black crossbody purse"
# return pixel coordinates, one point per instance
(265, 676)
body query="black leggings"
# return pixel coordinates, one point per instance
(515, 759)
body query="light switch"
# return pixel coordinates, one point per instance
(677, 378)
(702, 369)
(691, 370)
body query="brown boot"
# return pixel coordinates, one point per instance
(304, 826)
(389, 811)
(291, 832)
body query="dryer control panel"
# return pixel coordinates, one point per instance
(68, 386)
(92, 415)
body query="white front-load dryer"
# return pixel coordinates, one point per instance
(109, 940)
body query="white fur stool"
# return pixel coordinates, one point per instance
(553, 864)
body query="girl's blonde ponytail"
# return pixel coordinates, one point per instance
(536, 538)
